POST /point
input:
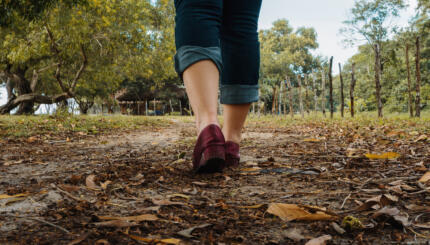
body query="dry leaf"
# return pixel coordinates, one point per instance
(293, 234)
(421, 138)
(387, 155)
(89, 181)
(425, 178)
(172, 241)
(143, 217)
(322, 240)
(290, 212)
(200, 183)
(79, 239)
(187, 233)
(31, 139)
(105, 184)
(5, 196)
(179, 195)
(311, 140)
(251, 169)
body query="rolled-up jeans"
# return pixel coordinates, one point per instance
(225, 32)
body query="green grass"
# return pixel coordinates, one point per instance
(26, 126)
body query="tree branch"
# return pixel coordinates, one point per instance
(60, 61)
(81, 69)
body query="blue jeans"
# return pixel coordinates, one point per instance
(225, 32)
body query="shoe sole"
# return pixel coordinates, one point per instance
(213, 165)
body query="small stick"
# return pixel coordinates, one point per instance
(344, 201)
(40, 220)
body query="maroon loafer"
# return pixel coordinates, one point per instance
(232, 156)
(209, 152)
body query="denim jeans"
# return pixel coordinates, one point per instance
(225, 32)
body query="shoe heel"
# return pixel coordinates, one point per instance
(213, 159)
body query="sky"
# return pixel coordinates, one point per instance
(325, 16)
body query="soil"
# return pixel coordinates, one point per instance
(62, 190)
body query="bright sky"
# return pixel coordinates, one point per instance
(325, 16)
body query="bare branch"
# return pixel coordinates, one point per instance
(81, 69)
(57, 55)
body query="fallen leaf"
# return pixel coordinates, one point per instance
(200, 183)
(294, 234)
(143, 217)
(311, 140)
(105, 184)
(290, 212)
(172, 241)
(187, 233)
(387, 155)
(337, 228)
(421, 138)
(179, 195)
(425, 178)
(89, 181)
(393, 213)
(251, 169)
(322, 240)
(116, 223)
(5, 196)
(31, 139)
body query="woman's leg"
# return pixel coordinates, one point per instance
(241, 60)
(201, 82)
(198, 62)
(198, 59)
(234, 119)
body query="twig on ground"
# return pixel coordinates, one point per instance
(39, 220)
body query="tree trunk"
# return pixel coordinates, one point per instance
(408, 68)
(281, 90)
(418, 75)
(342, 96)
(290, 90)
(330, 78)
(22, 87)
(299, 80)
(351, 89)
(306, 83)
(378, 78)
(274, 99)
(323, 93)
(315, 92)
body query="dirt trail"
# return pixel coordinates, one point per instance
(147, 171)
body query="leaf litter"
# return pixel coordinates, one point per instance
(305, 182)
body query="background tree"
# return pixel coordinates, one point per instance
(370, 19)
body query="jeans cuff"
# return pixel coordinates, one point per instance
(188, 55)
(234, 94)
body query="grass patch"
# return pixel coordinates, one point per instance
(26, 126)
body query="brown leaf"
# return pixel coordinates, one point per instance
(294, 234)
(425, 178)
(105, 184)
(69, 188)
(200, 183)
(32, 139)
(187, 233)
(5, 196)
(116, 223)
(290, 212)
(252, 207)
(386, 155)
(393, 213)
(322, 240)
(143, 217)
(89, 181)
